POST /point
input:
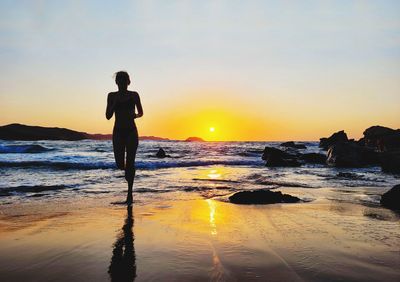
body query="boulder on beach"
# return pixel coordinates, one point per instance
(276, 161)
(274, 151)
(314, 158)
(291, 144)
(278, 158)
(379, 146)
(382, 138)
(260, 197)
(161, 153)
(390, 161)
(391, 199)
(350, 154)
(335, 138)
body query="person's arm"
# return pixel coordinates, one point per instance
(139, 107)
(111, 102)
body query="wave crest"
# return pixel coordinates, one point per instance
(145, 165)
(22, 149)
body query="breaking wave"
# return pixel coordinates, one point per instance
(139, 164)
(24, 149)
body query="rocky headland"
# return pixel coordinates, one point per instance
(23, 132)
(380, 146)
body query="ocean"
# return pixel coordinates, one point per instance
(46, 170)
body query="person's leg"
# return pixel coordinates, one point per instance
(119, 144)
(131, 148)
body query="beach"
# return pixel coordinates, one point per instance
(199, 240)
(60, 219)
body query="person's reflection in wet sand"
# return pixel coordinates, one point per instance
(123, 261)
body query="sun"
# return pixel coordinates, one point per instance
(212, 129)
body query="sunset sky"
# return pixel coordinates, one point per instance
(252, 70)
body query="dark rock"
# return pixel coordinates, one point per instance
(351, 155)
(269, 151)
(277, 158)
(391, 199)
(261, 197)
(361, 142)
(291, 144)
(335, 138)
(349, 175)
(382, 138)
(25, 132)
(275, 161)
(314, 158)
(161, 153)
(379, 146)
(390, 161)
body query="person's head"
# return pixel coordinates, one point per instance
(122, 79)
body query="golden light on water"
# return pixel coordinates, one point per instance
(214, 174)
(213, 226)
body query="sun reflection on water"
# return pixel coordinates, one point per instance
(214, 174)
(212, 206)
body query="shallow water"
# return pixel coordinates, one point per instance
(198, 240)
(37, 170)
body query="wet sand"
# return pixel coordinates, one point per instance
(198, 240)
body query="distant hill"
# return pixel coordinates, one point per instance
(154, 138)
(98, 136)
(17, 131)
(109, 137)
(194, 139)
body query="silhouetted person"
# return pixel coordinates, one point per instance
(125, 135)
(123, 261)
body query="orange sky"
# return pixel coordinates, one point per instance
(233, 115)
(274, 70)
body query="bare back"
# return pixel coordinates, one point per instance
(124, 108)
